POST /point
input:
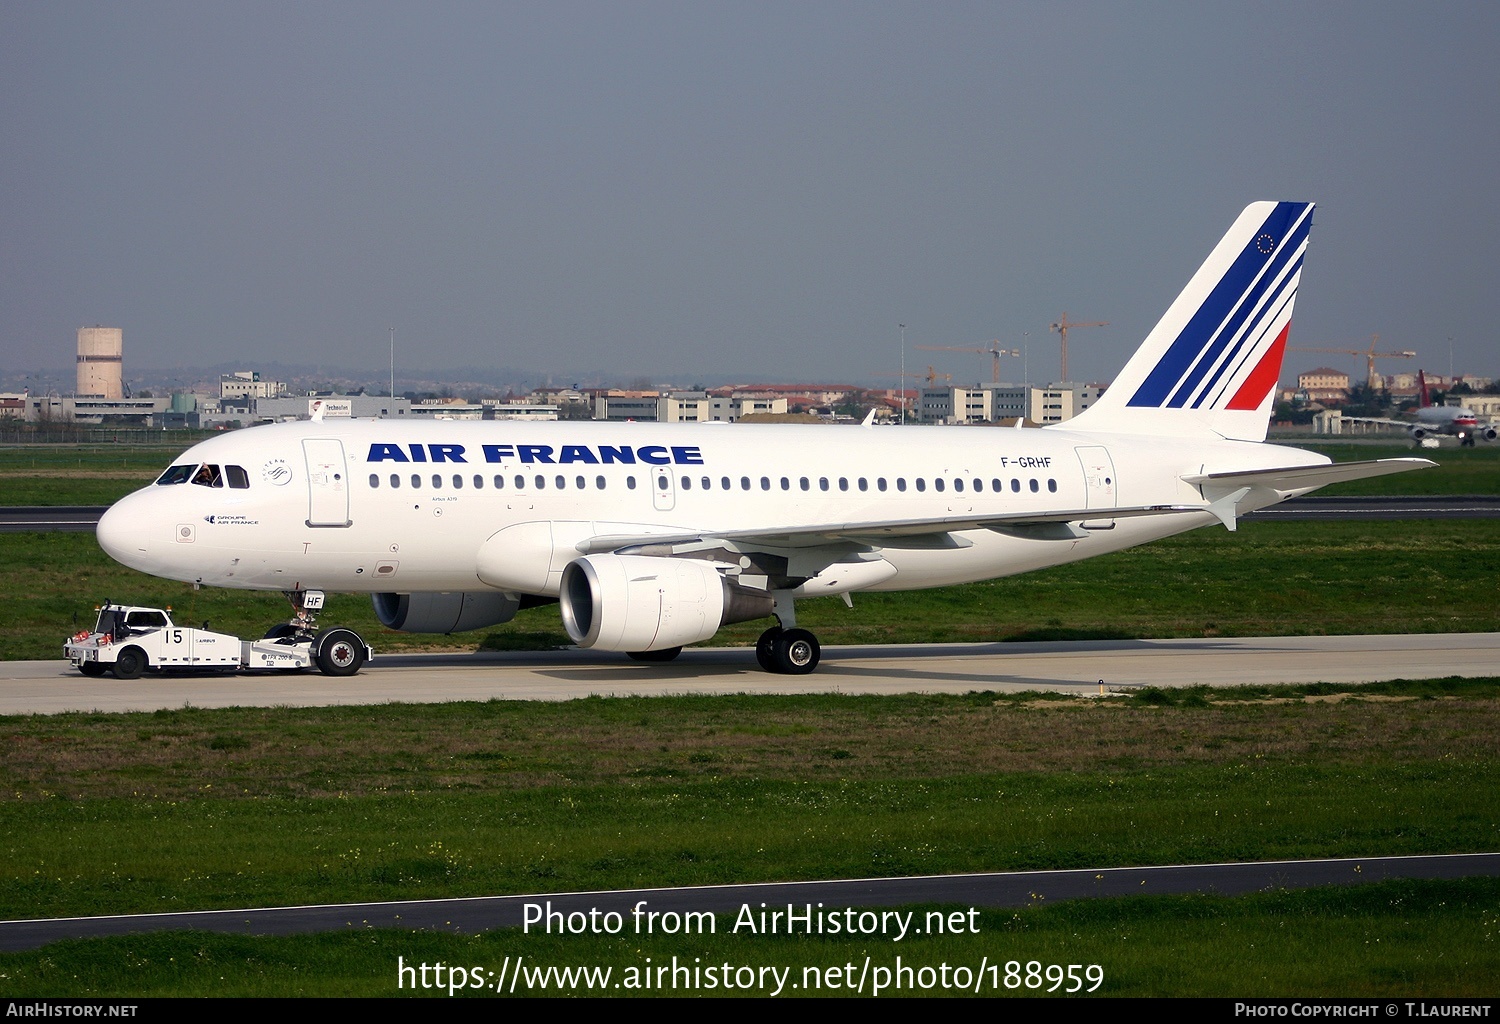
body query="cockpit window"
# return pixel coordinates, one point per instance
(177, 475)
(208, 476)
(238, 478)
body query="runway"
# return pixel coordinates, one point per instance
(999, 889)
(1080, 667)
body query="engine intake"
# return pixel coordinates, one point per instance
(649, 603)
(452, 612)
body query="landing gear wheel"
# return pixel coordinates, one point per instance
(765, 648)
(92, 668)
(665, 654)
(130, 664)
(795, 652)
(339, 652)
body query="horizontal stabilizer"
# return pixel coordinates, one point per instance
(1298, 478)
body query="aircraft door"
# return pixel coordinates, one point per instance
(1099, 483)
(327, 483)
(663, 490)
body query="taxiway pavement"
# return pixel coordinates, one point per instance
(1082, 667)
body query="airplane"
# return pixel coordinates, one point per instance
(651, 537)
(1447, 420)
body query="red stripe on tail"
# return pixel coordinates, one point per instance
(1263, 378)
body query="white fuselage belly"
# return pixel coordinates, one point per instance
(427, 536)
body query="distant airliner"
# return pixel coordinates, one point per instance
(1445, 420)
(654, 536)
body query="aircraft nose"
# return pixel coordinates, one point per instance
(124, 534)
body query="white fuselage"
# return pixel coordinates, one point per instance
(387, 506)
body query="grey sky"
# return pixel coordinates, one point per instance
(761, 189)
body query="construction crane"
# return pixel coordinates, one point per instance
(1062, 327)
(1373, 381)
(994, 351)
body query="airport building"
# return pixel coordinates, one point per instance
(101, 352)
(993, 403)
(247, 384)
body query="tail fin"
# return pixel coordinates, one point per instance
(1426, 398)
(1210, 366)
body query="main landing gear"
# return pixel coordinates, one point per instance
(784, 648)
(792, 652)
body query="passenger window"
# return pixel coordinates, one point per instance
(238, 478)
(478, 482)
(499, 482)
(561, 481)
(938, 484)
(708, 484)
(520, 482)
(880, 483)
(437, 482)
(395, 479)
(687, 483)
(996, 486)
(1052, 486)
(630, 483)
(1015, 485)
(582, 483)
(724, 483)
(864, 484)
(978, 484)
(843, 483)
(374, 479)
(416, 481)
(804, 482)
(958, 485)
(900, 483)
(786, 485)
(744, 483)
(458, 482)
(1034, 487)
(822, 483)
(765, 483)
(599, 482)
(541, 482)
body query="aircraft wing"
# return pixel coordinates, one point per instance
(1226, 494)
(890, 532)
(1376, 419)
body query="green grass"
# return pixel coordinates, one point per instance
(198, 808)
(1460, 470)
(1267, 579)
(1405, 938)
(79, 474)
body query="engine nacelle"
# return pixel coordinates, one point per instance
(1489, 433)
(451, 612)
(649, 603)
(1417, 433)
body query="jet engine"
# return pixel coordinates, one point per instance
(452, 612)
(650, 603)
(1488, 433)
